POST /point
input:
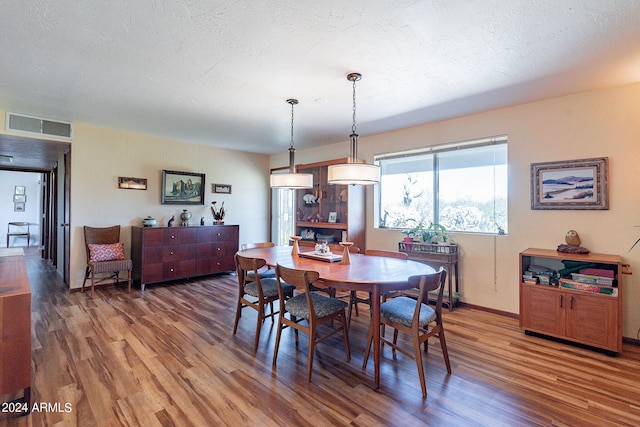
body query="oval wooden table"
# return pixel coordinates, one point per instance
(364, 273)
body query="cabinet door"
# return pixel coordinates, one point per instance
(592, 319)
(543, 310)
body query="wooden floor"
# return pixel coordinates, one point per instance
(168, 358)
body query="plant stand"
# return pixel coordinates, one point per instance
(437, 255)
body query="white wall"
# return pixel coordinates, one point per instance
(603, 123)
(31, 214)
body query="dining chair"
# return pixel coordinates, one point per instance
(311, 307)
(266, 271)
(415, 318)
(105, 256)
(256, 292)
(354, 299)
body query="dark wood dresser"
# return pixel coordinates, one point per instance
(161, 254)
(15, 329)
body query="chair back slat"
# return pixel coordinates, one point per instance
(427, 283)
(257, 245)
(389, 254)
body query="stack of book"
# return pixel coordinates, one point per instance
(537, 274)
(592, 280)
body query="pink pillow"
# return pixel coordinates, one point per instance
(108, 252)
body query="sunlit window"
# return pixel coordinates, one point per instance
(462, 186)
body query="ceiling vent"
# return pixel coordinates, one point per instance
(38, 125)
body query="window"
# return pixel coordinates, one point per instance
(461, 185)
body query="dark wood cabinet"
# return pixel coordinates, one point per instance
(330, 213)
(160, 254)
(15, 328)
(588, 318)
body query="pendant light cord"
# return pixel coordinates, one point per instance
(353, 126)
(292, 104)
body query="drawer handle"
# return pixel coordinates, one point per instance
(218, 248)
(171, 270)
(219, 234)
(217, 263)
(171, 253)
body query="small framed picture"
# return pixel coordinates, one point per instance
(221, 188)
(19, 198)
(20, 189)
(128, 183)
(18, 207)
(333, 216)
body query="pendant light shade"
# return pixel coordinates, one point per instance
(354, 172)
(291, 179)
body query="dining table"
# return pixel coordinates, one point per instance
(373, 274)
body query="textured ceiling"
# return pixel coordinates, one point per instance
(218, 72)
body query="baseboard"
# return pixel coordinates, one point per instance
(490, 310)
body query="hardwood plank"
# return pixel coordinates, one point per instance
(168, 358)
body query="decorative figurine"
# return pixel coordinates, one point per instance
(171, 221)
(572, 238)
(201, 220)
(573, 244)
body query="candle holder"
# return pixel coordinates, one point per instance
(346, 260)
(296, 248)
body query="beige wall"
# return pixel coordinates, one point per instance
(604, 123)
(99, 156)
(594, 124)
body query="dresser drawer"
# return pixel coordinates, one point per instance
(173, 253)
(217, 234)
(179, 235)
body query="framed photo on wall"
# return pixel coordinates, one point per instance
(571, 184)
(182, 188)
(221, 188)
(128, 183)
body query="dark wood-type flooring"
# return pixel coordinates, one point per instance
(168, 358)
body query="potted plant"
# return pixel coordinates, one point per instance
(411, 233)
(435, 233)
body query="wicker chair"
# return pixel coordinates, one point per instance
(105, 256)
(417, 319)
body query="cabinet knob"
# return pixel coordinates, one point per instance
(171, 270)
(173, 237)
(218, 248)
(171, 253)
(219, 234)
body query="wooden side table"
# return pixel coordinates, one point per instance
(437, 255)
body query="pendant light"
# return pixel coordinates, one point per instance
(354, 171)
(291, 179)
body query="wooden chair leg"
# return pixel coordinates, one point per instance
(312, 347)
(445, 353)
(259, 327)
(277, 345)
(345, 334)
(418, 355)
(238, 314)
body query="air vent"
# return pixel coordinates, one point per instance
(38, 125)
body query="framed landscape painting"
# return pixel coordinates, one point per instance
(572, 184)
(182, 188)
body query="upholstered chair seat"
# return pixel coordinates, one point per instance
(401, 310)
(322, 305)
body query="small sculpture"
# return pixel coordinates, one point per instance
(572, 238)
(171, 221)
(309, 199)
(573, 244)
